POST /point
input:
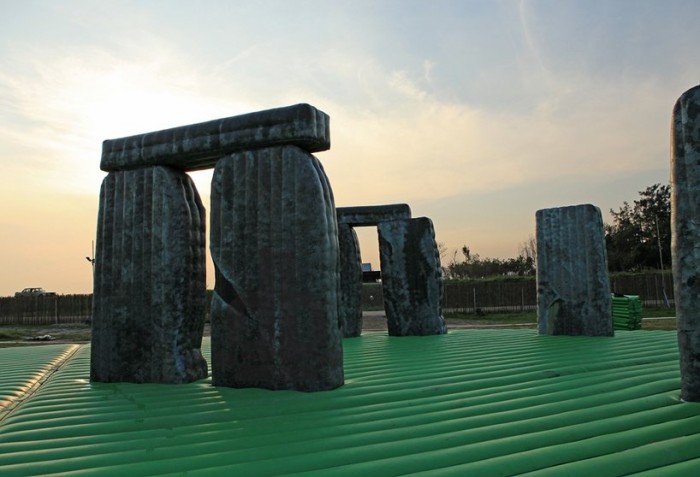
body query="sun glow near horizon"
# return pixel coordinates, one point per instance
(428, 106)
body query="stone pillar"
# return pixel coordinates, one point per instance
(350, 306)
(274, 242)
(411, 277)
(149, 289)
(573, 288)
(685, 228)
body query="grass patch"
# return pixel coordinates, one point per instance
(10, 335)
(655, 312)
(69, 332)
(659, 325)
(497, 318)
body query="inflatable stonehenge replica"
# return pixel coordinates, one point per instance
(287, 262)
(285, 259)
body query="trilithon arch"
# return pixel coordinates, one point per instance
(275, 232)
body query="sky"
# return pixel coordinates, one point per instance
(476, 113)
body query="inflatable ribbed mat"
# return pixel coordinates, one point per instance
(472, 402)
(23, 370)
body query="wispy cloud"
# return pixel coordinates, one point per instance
(476, 113)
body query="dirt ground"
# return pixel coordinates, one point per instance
(376, 321)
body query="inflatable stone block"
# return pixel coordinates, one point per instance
(350, 309)
(274, 242)
(149, 284)
(573, 288)
(685, 228)
(199, 146)
(370, 215)
(411, 277)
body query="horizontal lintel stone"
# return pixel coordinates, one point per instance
(200, 146)
(371, 215)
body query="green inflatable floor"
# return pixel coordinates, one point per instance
(473, 402)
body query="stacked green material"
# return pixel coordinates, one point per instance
(627, 312)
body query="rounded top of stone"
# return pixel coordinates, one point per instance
(568, 208)
(692, 91)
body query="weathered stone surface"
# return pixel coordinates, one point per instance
(350, 308)
(573, 288)
(149, 290)
(685, 228)
(274, 241)
(369, 215)
(199, 146)
(411, 277)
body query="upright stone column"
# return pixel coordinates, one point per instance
(573, 288)
(685, 228)
(149, 290)
(411, 277)
(350, 307)
(274, 242)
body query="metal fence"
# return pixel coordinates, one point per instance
(40, 310)
(506, 295)
(520, 294)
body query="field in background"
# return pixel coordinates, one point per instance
(22, 335)
(530, 317)
(503, 301)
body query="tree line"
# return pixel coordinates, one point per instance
(638, 239)
(470, 265)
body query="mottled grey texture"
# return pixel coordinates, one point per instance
(685, 228)
(149, 290)
(372, 214)
(573, 288)
(274, 241)
(350, 306)
(199, 146)
(411, 277)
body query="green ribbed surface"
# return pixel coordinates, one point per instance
(21, 369)
(473, 402)
(626, 312)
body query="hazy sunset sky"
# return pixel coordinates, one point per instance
(476, 113)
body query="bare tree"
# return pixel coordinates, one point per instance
(442, 250)
(528, 249)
